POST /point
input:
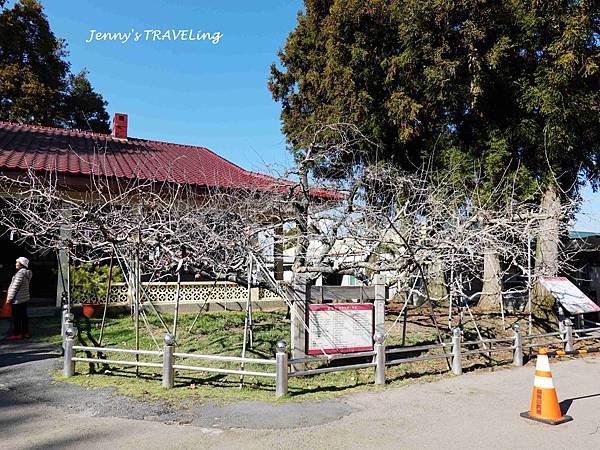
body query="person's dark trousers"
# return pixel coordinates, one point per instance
(20, 319)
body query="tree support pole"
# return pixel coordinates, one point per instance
(136, 310)
(110, 272)
(177, 297)
(246, 318)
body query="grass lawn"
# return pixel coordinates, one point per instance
(222, 334)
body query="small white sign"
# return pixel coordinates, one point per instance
(340, 328)
(569, 296)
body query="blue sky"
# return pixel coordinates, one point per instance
(192, 92)
(196, 92)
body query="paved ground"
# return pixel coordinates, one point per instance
(478, 410)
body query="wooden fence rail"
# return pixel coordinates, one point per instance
(284, 366)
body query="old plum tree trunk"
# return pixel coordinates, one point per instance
(491, 293)
(438, 289)
(547, 252)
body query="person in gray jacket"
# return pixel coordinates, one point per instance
(18, 296)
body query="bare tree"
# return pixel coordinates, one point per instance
(363, 221)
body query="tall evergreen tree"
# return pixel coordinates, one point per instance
(33, 70)
(495, 88)
(84, 108)
(512, 82)
(36, 86)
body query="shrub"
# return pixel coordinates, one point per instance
(90, 281)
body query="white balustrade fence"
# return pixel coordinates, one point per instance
(195, 292)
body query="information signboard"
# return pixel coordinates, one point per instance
(568, 295)
(340, 328)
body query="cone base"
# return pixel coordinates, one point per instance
(563, 419)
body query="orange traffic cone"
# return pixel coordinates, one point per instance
(544, 401)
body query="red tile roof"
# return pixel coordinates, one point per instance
(80, 153)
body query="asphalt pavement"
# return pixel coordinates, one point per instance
(475, 410)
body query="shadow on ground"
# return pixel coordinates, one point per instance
(20, 352)
(566, 404)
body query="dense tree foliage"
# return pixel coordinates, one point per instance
(84, 108)
(36, 85)
(504, 94)
(491, 87)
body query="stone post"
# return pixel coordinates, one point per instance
(456, 355)
(281, 379)
(379, 304)
(69, 364)
(168, 373)
(568, 335)
(379, 358)
(518, 352)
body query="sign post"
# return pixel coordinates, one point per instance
(570, 297)
(340, 328)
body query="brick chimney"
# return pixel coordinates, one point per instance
(119, 128)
